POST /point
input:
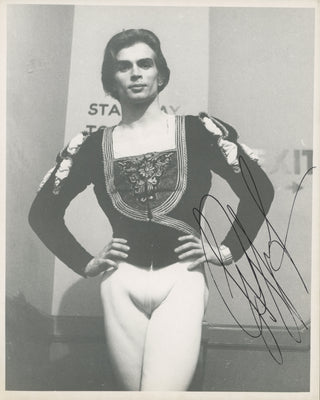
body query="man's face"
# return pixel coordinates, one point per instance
(137, 77)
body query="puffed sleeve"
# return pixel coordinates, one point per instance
(238, 165)
(71, 175)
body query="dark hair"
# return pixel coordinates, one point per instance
(125, 39)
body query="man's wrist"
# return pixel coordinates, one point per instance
(226, 254)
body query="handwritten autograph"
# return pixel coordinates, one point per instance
(264, 293)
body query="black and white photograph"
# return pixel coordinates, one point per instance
(162, 200)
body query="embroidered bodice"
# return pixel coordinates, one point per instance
(146, 180)
(148, 187)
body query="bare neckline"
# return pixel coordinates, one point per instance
(172, 121)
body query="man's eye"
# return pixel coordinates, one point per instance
(123, 67)
(146, 64)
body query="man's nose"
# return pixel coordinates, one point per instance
(135, 72)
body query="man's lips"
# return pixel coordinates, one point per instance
(136, 86)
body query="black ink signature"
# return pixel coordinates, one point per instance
(262, 265)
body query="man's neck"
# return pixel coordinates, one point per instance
(139, 115)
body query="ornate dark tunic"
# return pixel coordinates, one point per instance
(149, 198)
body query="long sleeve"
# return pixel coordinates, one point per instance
(69, 177)
(233, 162)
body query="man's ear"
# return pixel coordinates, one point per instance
(160, 81)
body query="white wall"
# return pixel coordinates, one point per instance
(39, 44)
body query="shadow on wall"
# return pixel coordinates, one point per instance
(27, 345)
(82, 298)
(77, 356)
(39, 356)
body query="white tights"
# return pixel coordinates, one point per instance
(153, 322)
